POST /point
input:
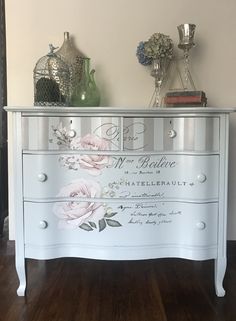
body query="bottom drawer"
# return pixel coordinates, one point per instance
(126, 230)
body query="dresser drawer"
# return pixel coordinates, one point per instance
(71, 133)
(117, 133)
(144, 176)
(176, 134)
(127, 226)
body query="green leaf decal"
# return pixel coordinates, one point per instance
(110, 214)
(102, 224)
(113, 223)
(93, 224)
(86, 227)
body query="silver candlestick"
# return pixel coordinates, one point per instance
(186, 42)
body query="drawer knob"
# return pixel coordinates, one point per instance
(72, 133)
(42, 177)
(201, 178)
(43, 225)
(172, 133)
(201, 225)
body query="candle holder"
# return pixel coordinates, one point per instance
(186, 43)
(187, 96)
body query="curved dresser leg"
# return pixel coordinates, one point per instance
(220, 267)
(20, 268)
(21, 289)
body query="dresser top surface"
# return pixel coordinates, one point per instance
(99, 111)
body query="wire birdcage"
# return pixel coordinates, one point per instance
(51, 81)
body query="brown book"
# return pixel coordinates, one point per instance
(202, 104)
(184, 105)
(183, 99)
(186, 93)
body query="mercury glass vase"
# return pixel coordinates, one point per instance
(186, 43)
(73, 58)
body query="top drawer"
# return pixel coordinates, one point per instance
(200, 134)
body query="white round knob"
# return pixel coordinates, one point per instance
(201, 178)
(172, 133)
(71, 133)
(42, 177)
(201, 225)
(43, 225)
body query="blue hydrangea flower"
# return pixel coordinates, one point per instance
(142, 58)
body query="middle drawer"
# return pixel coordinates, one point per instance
(187, 177)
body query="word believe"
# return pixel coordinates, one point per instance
(144, 162)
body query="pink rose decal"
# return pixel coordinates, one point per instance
(74, 214)
(90, 142)
(92, 163)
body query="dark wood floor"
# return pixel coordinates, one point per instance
(88, 290)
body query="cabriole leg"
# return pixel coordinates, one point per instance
(20, 268)
(220, 268)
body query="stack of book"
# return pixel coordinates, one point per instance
(185, 98)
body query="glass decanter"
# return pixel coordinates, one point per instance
(86, 93)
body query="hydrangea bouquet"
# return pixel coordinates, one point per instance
(157, 51)
(156, 47)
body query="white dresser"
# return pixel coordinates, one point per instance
(120, 184)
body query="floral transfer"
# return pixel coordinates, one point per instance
(87, 215)
(90, 142)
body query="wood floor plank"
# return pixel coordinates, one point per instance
(71, 289)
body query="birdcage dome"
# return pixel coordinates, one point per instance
(51, 80)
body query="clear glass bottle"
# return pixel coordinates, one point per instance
(159, 71)
(86, 93)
